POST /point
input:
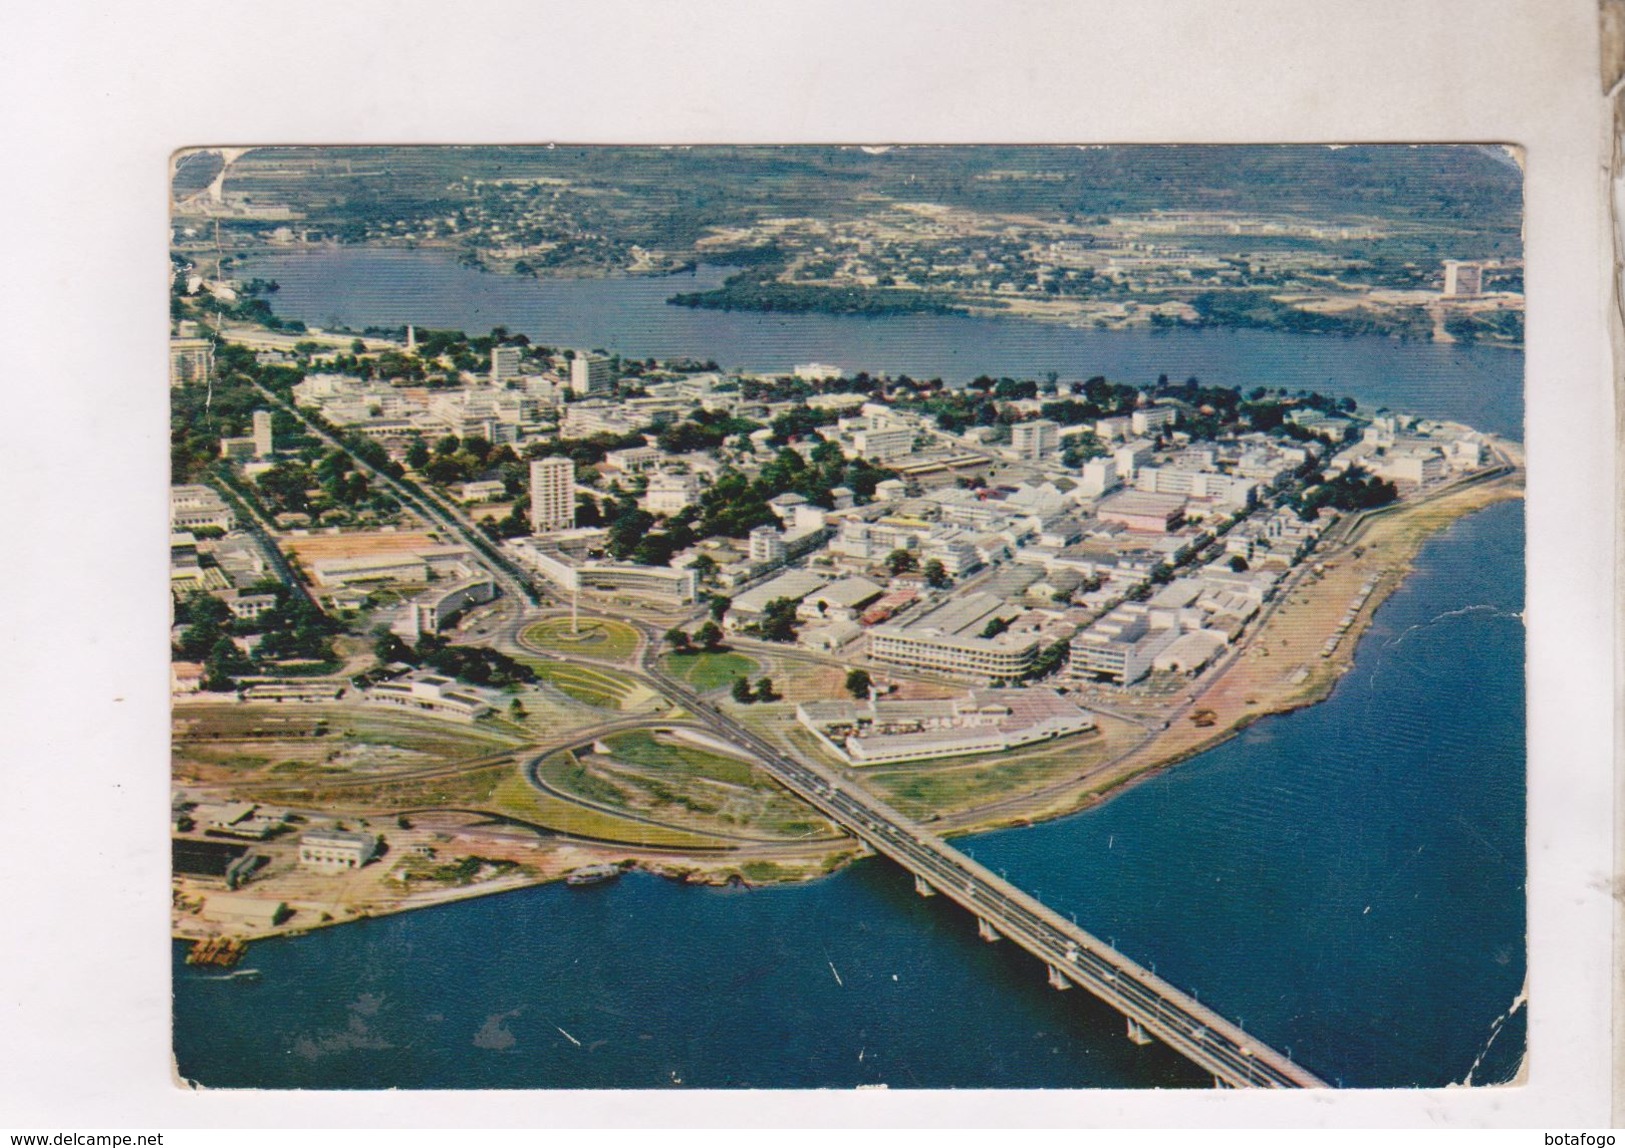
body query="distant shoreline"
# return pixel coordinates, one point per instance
(877, 303)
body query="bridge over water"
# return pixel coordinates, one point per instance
(1154, 1008)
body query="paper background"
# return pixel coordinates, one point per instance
(97, 97)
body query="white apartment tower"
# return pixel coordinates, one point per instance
(590, 374)
(262, 434)
(1034, 440)
(552, 495)
(504, 364)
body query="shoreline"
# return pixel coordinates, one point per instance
(974, 307)
(1243, 690)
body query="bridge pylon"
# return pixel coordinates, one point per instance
(985, 929)
(1057, 980)
(1137, 1033)
(922, 887)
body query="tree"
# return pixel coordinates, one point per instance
(719, 606)
(516, 710)
(709, 636)
(704, 567)
(936, 575)
(224, 661)
(679, 640)
(1238, 563)
(858, 684)
(900, 561)
(779, 620)
(742, 691)
(765, 691)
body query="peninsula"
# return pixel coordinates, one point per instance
(459, 614)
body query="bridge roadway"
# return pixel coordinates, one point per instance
(1153, 1006)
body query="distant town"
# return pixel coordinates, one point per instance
(456, 613)
(1103, 239)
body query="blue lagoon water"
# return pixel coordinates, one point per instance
(1347, 881)
(357, 287)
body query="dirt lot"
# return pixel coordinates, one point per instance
(358, 544)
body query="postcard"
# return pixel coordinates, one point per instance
(782, 617)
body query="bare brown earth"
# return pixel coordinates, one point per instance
(356, 544)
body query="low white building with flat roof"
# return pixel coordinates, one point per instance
(194, 506)
(336, 850)
(949, 639)
(793, 585)
(881, 730)
(433, 694)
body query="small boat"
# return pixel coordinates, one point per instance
(235, 975)
(593, 874)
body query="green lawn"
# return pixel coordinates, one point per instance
(707, 672)
(586, 684)
(677, 760)
(678, 783)
(942, 785)
(598, 638)
(517, 798)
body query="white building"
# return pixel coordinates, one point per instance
(1034, 440)
(335, 850)
(1413, 465)
(432, 609)
(883, 730)
(504, 364)
(632, 459)
(190, 361)
(1121, 647)
(1131, 456)
(481, 490)
(842, 600)
(669, 492)
(767, 546)
(590, 374)
(1151, 420)
(571, 573)
(191, 507)
(1099, 477)
(1225, 489)
(581, 420)
(262, 434)
(1115, 427)
(431, 694)
(552, 494)
(238, 449)
(793, 585)
(882, 444)
(949, 640)
(817, 372)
